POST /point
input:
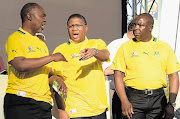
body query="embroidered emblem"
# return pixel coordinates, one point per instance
(74, 55)
(114, 63)
(45, 51)
(14, 51)
(156, 54)
(31, 49)
(134, 54)
(39, 48)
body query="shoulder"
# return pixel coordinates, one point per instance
(61, 46)
(118, 42)
(162, 43)
(95, 40)
(14, 37)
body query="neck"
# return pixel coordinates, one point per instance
(148, 38)
(28, 29)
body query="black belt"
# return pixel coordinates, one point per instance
(147, 91)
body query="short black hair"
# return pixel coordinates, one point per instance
(131, 25)
(26, 9)
(78, 16)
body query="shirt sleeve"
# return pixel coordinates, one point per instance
(119, 61)
(112, 50)
(14, 48)
(172, 62)
(102, 45)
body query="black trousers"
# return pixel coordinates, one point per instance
(147, 106)
(16, 107)
(116, 107)
(101, 116)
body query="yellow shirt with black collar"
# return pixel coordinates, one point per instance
(146, 64)
(33, 84)
(84, 79)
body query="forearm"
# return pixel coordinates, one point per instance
(59, 101)
(102, 55)
(23, 64)
(173, 86)
(119, 85)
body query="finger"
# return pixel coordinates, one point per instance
(126, 114)
(65, 89)
(59, 87)
(86, 49)
(132, 110)
(64, 60)
(82, 51)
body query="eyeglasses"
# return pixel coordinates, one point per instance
(76, 25)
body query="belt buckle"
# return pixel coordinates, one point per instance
(148, 91)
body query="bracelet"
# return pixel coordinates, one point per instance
(96, 51)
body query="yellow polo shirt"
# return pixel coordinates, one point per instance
(34, 84)
(146, 64)
(84, 79)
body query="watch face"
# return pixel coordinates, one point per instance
(174, 104)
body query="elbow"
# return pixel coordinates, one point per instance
(20, 68)
(106, 73)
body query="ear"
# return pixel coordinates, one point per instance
(29, 17)
(150, 27)
(86, 28)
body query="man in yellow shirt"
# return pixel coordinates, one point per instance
(83, 73)
(28, 94)
(142, 65)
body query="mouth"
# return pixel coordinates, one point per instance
(42, 26)
(75, 35)
(136, 33)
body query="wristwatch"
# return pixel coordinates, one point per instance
(96, 51)
(173, 104)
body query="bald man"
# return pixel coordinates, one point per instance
(140, 68)
(28, 95)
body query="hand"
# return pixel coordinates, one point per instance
(127, 109)
(63, 114)
(169, 112)
(58, 57)
(87, 53)
(61, 85)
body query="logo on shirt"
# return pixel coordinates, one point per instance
(134, 54)
(146, 53)
(14, 51)
(156, 54)
(31, 49)
(39, 48)
(114, 63)
(74, 55)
